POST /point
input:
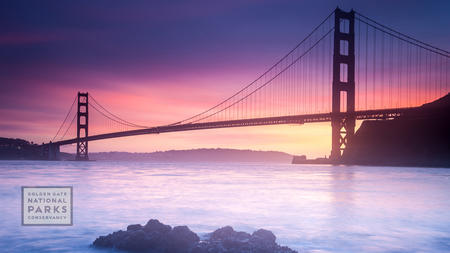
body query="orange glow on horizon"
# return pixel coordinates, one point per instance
(313, 140)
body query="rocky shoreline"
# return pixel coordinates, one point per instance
(156, 237)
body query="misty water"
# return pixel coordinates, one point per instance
(309, 208)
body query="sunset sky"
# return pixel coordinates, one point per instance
(156, 62)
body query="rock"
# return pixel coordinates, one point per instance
(134, 227)
(108, 241)
(262, 235)
(264, 241)
(182, 238)
(136, 240)
(103, 242)
(228, 233)
(156, 237)
(227, 240)
(155, 226)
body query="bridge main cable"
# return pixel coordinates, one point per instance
(113, 117)
(399, 35)
(254, 81)
(270, 80)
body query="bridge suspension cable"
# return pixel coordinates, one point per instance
(70, 125)
(112, 116)
(64, 121)
(200, 116)
(99, 125)
(395, 70)
(399, 35)
(267, 82)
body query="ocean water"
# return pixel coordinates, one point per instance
(310, 208)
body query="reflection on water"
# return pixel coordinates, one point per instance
(342, 197)
(310, 208)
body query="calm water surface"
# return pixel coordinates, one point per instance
(309, 208)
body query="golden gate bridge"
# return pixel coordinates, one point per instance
(350, 67)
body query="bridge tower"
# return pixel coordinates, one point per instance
(343, 87)
(82, 127)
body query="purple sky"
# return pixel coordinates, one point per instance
(133, 55)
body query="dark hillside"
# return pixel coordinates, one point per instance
(421, 139)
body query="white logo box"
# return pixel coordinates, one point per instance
(47, 206)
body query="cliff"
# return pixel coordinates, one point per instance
(417, 139)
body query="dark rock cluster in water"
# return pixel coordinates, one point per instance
(156, 237)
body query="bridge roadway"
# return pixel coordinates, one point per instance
(293, 119)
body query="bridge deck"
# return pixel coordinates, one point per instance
(294, 119)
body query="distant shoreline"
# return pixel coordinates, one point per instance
(18, 149)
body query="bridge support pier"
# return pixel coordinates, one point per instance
(50, 152)
(343, 88)
(82, 127)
